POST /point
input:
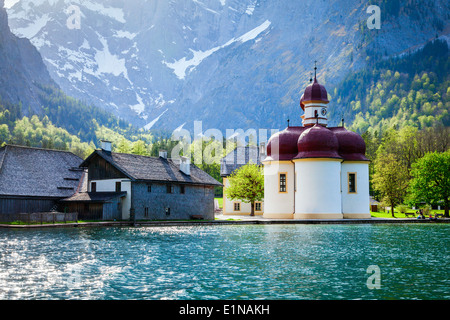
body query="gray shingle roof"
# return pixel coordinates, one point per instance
(94, 196)
(237, 158)
(35, 172)
(146, 168)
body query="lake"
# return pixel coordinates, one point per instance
(227, 262)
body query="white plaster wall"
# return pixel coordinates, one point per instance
(318, 187)
(278, 204)
(356, 203)
(109, 185)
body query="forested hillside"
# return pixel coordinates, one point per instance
(66, 124)
(412, 90)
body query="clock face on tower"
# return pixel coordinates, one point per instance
(324, 111)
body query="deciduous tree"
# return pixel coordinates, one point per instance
(431, 179)
(390, 179)
(247, 185)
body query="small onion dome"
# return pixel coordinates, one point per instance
(351, 145)
(283, 145)
(314, 92)
(317, 142)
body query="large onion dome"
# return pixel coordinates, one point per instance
(351, 145)
(314, 92)
(317, 142)
(283, 144)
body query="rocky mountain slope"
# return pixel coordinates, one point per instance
(229, 63)
(21, 69)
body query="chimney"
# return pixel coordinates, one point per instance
(185, 166)
(163, 154)
(106, 146)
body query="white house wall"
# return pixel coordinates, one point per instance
(109, 185)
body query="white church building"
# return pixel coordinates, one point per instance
(315, 171)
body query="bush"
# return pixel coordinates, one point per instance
(402, 208)
(426, 210)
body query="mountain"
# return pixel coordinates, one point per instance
(411, 90)
(229, 63)
(22, 69)
(34, 111)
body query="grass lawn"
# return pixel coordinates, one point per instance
(382, 214)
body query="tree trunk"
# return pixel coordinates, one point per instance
(446, 208)
(252, 213)
(392, 210)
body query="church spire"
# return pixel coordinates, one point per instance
(314, 102)
(315, 70)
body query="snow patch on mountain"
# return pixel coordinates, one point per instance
(125, 34)
(250, 9)
(183, 66)
(254, 33)
(205, 7)
(109, 63)
(114, 13)
(31, 30)
(152, 123)
(10, 3)
(178, 129)
(140, 106)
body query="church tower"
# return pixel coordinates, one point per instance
(316, 171)
(314, 103)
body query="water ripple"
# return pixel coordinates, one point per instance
(225, 262)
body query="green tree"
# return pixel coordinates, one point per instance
(390, 179)
(140, 148)
(4, 134)
(431, 179)
(124, 146)
(247, 185)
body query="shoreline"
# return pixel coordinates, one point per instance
(224, 220)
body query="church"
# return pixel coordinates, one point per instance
(314, 171)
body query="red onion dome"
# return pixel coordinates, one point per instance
(283, 145)
(302, 105)
(352, 146)
(314, 92)
(317, 142)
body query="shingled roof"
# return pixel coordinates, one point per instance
(94, 196)
(35, 172)
(145, 168)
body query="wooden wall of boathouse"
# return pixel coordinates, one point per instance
(93, 210)
(14, 205)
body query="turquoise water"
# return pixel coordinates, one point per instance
(226, 262)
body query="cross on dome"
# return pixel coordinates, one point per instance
(315, 69)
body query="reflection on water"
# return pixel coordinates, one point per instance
(226, 262)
